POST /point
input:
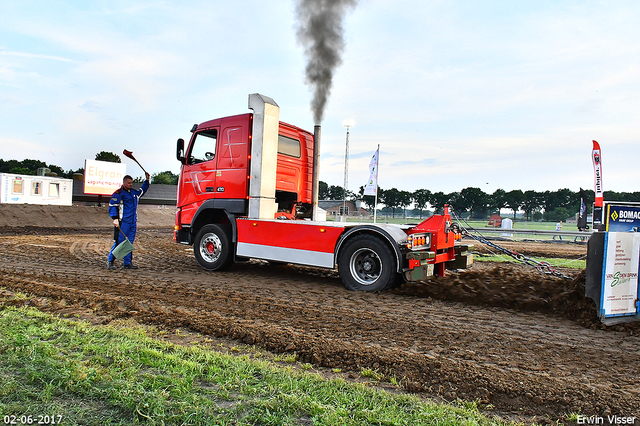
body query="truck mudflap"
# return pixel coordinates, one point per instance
(183, 236)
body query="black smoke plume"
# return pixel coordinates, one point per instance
(320, 33)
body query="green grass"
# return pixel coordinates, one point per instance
(116, 375)
(565, 263)
(544, 226)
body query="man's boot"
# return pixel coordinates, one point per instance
(130, 265)
(110, 265)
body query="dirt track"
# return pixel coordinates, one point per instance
(522, 343)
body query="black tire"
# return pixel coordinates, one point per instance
(212, 248)
(366, 263)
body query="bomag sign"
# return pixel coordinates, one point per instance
(622, 217)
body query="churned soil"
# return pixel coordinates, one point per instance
(523, 344)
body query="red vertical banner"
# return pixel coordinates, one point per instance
(597, 171)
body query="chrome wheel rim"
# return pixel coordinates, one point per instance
(365, 266)
(210, 248)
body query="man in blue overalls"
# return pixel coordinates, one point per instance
(123, 209)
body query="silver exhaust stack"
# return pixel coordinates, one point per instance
(316, 171)
(264, 157)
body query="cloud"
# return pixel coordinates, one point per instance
(33, 55)
(423, 162)
(19, 149)
(91, 106)
(506, 93)
(352, 156)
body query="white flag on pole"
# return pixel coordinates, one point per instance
(372, 185)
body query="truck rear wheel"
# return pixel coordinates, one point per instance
(212, 248)
(365, 263)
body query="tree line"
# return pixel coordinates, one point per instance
(30, 167)
(469, 202)
(474, 203)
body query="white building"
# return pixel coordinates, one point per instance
(27, 189)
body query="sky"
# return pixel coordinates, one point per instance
(487, 94)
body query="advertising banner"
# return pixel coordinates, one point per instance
(597, 172)
(622, 217)
(620, 274)
(103, 177)
(371, 188)
(582, 214)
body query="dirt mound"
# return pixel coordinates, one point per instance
(516, 287)
(29, 215)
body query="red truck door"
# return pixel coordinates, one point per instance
(216, 164)
(232, 160)
(198, 177)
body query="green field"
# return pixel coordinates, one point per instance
(555, 262)
(57, 371)
(548, 226)
(482, 224)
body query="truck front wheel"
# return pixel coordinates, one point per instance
(212, 248)
(365, 263)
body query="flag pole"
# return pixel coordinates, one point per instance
(375, 203)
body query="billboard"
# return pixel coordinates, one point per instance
(619, 296)
(103, 177)
(622, 217)
(621, 262)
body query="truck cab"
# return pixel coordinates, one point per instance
(215, 170)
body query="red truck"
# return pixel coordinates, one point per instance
(248, 188)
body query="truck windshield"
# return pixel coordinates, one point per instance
(203, 147)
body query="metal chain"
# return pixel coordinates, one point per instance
(544, 267)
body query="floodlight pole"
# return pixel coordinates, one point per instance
(347, 124)
(375, 203)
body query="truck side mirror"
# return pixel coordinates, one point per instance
(180, 150)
